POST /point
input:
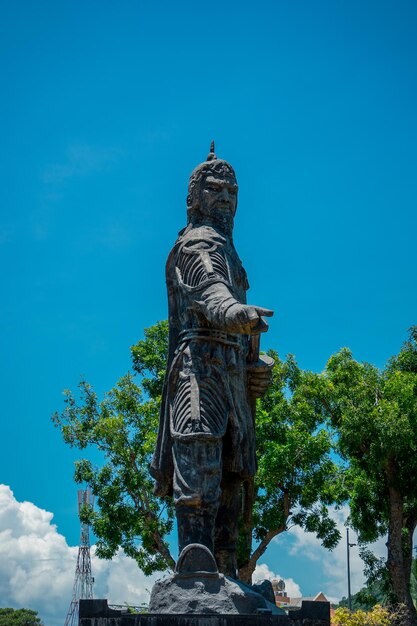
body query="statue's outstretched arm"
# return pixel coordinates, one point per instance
(203, 271)
(221, 308)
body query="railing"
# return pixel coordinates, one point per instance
(129, 608)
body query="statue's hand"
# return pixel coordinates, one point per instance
(248, 319)
(255, 315)
(260, 376)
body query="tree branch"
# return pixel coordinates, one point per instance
(146, 510)
(245, 572)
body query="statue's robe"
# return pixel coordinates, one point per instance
(205, 392)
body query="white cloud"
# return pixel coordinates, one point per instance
(262, 572)
(37, 566)
(121, 581)
(333, 565)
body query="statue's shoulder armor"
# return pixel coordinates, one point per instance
(200, 234)
(239, 272)
(200, 257)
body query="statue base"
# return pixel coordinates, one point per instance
(198, 595)
(97, 613)
(213, 595)
(197, 587)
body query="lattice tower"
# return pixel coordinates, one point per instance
(83, 583)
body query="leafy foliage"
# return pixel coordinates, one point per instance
(296, 474)
(366, 598)
(19, 617)
(413, 582)
(123, 427)
(293, 484)
(374, 416)
(378, 616)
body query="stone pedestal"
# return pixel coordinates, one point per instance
(211, 595)
(97, 613)
(197, 588)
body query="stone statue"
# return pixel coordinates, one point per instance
(206, 440)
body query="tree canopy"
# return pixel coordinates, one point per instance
(293, 484)
(19, 617)
(374, 416)
(296, 473)
(366, 415)
(123, 427)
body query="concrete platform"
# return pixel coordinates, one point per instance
(97, 613)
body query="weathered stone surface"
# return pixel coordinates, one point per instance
(194, 620)
(319, 615)
(207, 594)
(202, 595)
(199, 620)
(265, 589)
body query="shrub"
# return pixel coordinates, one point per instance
(378, 616)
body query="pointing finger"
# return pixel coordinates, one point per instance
(263, 312)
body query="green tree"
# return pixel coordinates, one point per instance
(293, 484)
(296, 474)
(123, 427)
(413, 582)
(374, 414)
(19, 617)
(366, 598)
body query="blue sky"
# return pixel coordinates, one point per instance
(107, 107)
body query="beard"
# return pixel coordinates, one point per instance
(221, 219)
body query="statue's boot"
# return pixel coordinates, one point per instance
(226, 527)
(194, 526)
(227, 562)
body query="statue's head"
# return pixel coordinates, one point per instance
(212, 194)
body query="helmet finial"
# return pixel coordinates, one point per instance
(211, 155)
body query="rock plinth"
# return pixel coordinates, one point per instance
(97, 613)
(210, 595)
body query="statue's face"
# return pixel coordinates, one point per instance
(218, 199)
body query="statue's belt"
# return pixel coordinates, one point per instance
(211, 334)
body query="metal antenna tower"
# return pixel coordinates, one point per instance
(83, 583)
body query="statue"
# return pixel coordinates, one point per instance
(206, 439)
